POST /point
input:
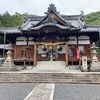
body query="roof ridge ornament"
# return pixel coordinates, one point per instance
(82, 16)
(51, 8)
(82, 12)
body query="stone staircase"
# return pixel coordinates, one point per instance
(43, 77)
(51, 65)
(52, 72)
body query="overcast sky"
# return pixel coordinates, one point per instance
(38, 7)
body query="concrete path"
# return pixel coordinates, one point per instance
(15, 91)
(65, 92)
(41, 92)
(77, 92)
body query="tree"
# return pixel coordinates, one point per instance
(4, 19)
(93, 18)
(15, 20)
(1, 25)
(98, 45)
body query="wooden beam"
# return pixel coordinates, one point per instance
(66, 55)
(35, 54)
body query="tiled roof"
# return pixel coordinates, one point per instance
(50, 24)
(10, 30)
(91, 29)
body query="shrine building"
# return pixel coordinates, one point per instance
(52, 37)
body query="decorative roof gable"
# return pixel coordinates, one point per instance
(52, 18)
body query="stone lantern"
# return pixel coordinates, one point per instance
(95, 64)
(8, 63)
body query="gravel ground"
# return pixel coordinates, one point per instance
(77, 92)
(15, 91)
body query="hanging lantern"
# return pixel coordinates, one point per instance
(60, 49)
(50, 47)
(42, 47)
(58, 46)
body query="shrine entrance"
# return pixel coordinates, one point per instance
(57, 51)
(52, 56)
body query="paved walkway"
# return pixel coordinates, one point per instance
(31, 91)
(42, 92)
(15, 91)
(65, 92)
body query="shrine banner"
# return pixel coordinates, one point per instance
(78, 54)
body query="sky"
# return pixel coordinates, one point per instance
(38, 7)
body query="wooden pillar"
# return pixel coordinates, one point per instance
(15, 52)
(66, 56)
(35, 54)
(90, 52)
(77, 41)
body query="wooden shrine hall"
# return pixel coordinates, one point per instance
(52, 37)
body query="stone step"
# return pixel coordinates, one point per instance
(51, 65)
(70, 77)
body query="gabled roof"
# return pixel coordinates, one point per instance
(52, 18)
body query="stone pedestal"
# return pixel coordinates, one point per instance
(95, 64)
(8, 64)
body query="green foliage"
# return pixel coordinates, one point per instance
(7, 20)
(1, 40)
(1, 25)
(15, 20)
(98, 45)
(4, 18)
(93, 18)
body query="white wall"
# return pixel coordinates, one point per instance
(23, 41)
(83, 40)
(72, 40)
(30, 41)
